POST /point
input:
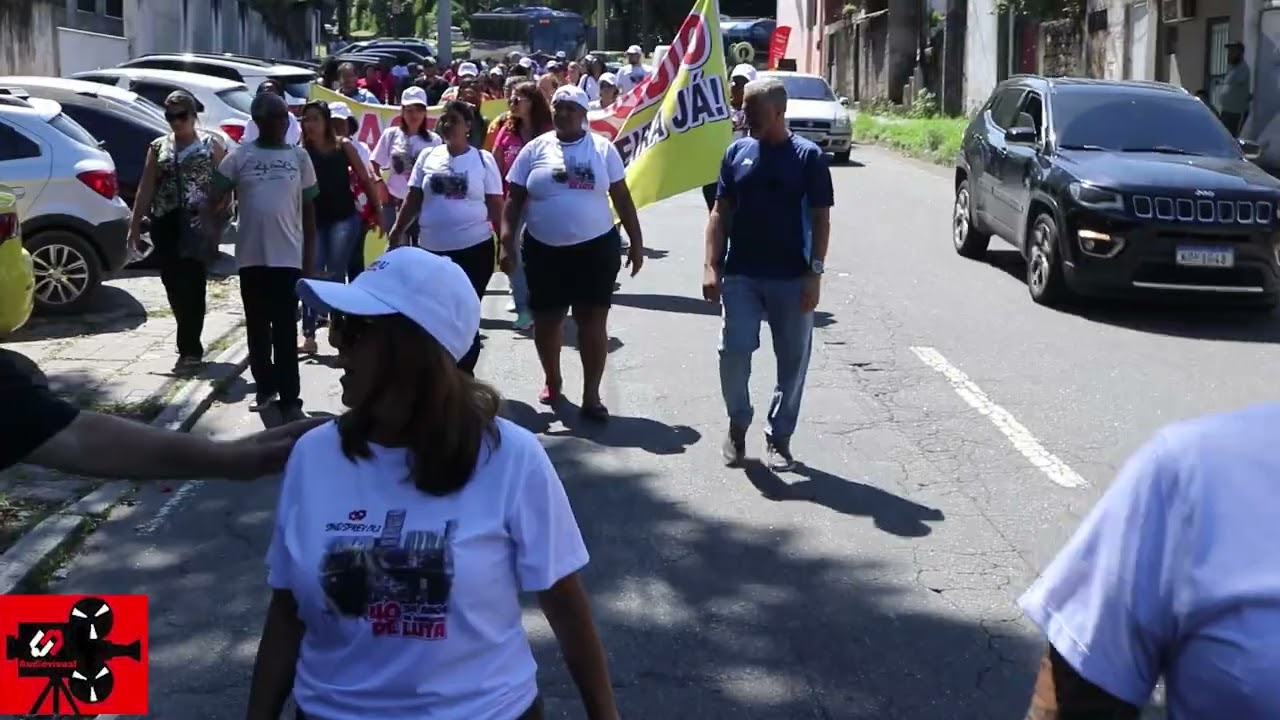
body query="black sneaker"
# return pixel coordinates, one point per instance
(735, 446)
(292, 411)
(779, 456)
(261, 401)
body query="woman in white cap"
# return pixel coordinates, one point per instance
(446, 514)
(399, 148)
(592, 69)
(738, 79)
(607, 87)
(560, 185)
(344, 126)
(455, 192)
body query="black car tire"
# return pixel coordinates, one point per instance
(1045, 279)
(969, 240)
(841, 158)
(77, 261)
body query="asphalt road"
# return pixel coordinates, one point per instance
(953, 434)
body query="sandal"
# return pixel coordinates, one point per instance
(549, 394)
(595, 411)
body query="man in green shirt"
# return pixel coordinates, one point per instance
(1236, 92)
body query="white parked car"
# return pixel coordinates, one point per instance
(224, 103)
(293, 79)
(815, 113)
(127, 99)
(74, 223)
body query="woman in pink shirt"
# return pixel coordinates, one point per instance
(528, 117)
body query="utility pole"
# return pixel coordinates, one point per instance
(602, 9)
(444, 33)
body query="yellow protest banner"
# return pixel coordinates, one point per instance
(373, 120)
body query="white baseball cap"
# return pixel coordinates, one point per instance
(525, 62)
(561, 55)
(467, 69)
(496, 72)
(430, 290)
(572, 94)
(635, 50)
(340, 111)
(743, 70)
(413, 95)
(608, 79)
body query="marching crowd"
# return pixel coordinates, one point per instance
(1163, 578)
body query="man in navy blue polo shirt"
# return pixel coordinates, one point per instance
(775, 196)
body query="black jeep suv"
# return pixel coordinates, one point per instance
(1117, 187)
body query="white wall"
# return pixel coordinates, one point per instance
(26, 37)
(79, 51)
(980, 53)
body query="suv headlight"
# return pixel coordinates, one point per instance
(842, 121)
(1095, 197)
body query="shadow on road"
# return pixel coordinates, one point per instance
(619, 432)
(113, 310)
(667, 303)
(1198, 317)
(891, 513)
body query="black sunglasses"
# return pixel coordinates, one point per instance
(176, 116)
(349, 329)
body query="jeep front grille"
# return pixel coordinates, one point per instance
(1243, 212)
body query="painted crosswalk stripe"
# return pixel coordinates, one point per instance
(1023, 441)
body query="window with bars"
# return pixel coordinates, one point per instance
(1217, 35)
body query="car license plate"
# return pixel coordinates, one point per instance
(1206, 257)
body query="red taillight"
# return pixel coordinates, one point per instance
(102, 182)
(8, 226)
(235, 132)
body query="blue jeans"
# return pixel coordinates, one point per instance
(519, 284)
(334, 243)
(745, 302)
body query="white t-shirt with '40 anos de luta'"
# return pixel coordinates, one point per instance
(411, 602)
(568, 186)
(454, 212)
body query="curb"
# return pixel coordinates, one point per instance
(41, 543)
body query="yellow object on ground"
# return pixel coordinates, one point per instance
(17, 275)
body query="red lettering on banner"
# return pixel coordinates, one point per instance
(370, 129)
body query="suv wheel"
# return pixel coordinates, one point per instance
(67, 271)
(1045, 279)
(968, 239)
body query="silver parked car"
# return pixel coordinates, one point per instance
(815, 113)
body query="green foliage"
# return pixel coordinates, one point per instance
(1043, 9)
(925, 105)
(934, 139)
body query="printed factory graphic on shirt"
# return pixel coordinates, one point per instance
(579, 175)
(399, 582)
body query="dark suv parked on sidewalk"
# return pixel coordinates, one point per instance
(1114, 188)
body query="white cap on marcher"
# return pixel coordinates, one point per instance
(430, 290)
(468, 69)
(571, 93)
(525, 62)
(635, 50)
(413, 95)
(560, 55)
(340, 111)
(608, 79)
(743, 70)
(496, 72)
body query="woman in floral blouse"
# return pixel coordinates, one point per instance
(174, 185)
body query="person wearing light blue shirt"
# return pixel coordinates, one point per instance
(1173, 574)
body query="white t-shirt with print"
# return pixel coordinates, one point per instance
(568, 186)
(412, 602)
(271, 185)
(454, 192)
(395, 143)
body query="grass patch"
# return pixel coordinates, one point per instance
(227, 340)
(18, 516)
(935, 139)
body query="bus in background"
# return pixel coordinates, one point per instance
(741, 33)
(528, 30)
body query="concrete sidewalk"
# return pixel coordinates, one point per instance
(119, 359)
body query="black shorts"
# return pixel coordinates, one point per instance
(563, 277)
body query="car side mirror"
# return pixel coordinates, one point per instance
(1021, 135)
(1252, 151)
(844, 101)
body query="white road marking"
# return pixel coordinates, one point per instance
(1023, 441)
(169, 507)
